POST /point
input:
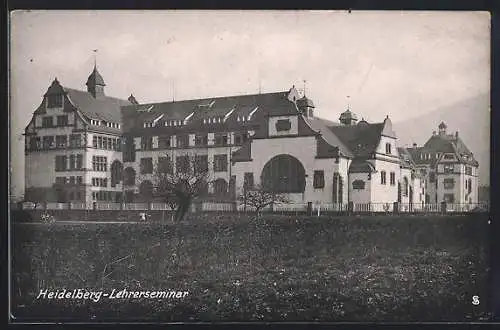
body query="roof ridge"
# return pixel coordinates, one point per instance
(210, 98)
(83, 91)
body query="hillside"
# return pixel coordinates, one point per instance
(471, 118)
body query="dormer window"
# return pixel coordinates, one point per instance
(54, 101)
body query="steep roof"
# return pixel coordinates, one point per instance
(361, 139)
(104, 108)
(324, 128)
(270, 104)
(361, 166)
(450, 143)
(95, 78)
(406, 158)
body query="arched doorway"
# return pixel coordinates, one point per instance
(284, 174)
(116, 173)
(129, 176)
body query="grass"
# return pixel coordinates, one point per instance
(406, 268)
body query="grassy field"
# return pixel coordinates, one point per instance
(398, 268)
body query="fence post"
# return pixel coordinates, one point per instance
(395, 209)
(443, 207)
(350, 207)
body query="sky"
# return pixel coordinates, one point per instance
(401, 64)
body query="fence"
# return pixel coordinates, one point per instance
(311, 208)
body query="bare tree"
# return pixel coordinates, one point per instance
(259, 198)
(179, 186)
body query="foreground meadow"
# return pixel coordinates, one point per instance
(281, 268)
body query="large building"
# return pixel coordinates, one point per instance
(86, 146)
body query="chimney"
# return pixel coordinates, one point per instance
(456, 135)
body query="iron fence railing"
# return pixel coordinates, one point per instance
(313, 208)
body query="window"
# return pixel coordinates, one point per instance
(448, 168)
(406, 186)
(61, 180)
(165, 165)
(94, 141)
(432, 177)
(201, 164)
(388, 148)
(201, 140)
(48, 142)
(182, 141)
(72, 162)
(220, 187)
(319, 179)
(469, 186)
(221, 140)
(61, 163)
(392, 178)
(449, 156)
(99, 182)
(62, 120)
(248, 180)
(99, 163)
(449, 183)
(61, 141)
(220, 163)
(283, 125)
(35, 143)
(449, 198)
(147, 165)
(79, 179)
(116, 173)
(79, 161)
(358, 185)
(468, 170)
(47, 121)
(75, 140)
(54, 101)
(99, 142)
(146, 143)
(383, 178)
(164, 142)
(237, 139)
(71, 180)
(129, 152)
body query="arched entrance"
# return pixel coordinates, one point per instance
(284, 174)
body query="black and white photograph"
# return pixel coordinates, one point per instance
(249, 166)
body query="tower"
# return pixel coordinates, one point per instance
(95, 84)
(348, 117)
(442, 128)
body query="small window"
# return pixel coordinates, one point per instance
(432, 177)
(146, 165)
(54, 101)
(388, 148)
(449, 183)
(358, 185)
(62, 120)
(220, 163)
(448, 168)
(47, 121)
(319, 179)
(392, 177)
(383, 178)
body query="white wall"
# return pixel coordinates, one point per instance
(293, 123)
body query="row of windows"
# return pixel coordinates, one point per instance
(106, 196)
(48, 121)
(69, 180)
(99, 182)
(104, 123)
(59, 141)
(164, 123)
(71, 162)
(184, 164)
(54, 101)
(107, 143)
(392, 178)
(182, 141)
(99, 163)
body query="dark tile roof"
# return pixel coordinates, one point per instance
(54, 88)
(324, 128)
(361, 166)
(406, 158)
(450, 143)
(103, 108)
(361, 139)
(242, 105)
(95, 78)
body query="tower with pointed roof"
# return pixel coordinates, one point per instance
(442, 128)
(95, 84)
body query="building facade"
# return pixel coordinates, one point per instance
(86, 146)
